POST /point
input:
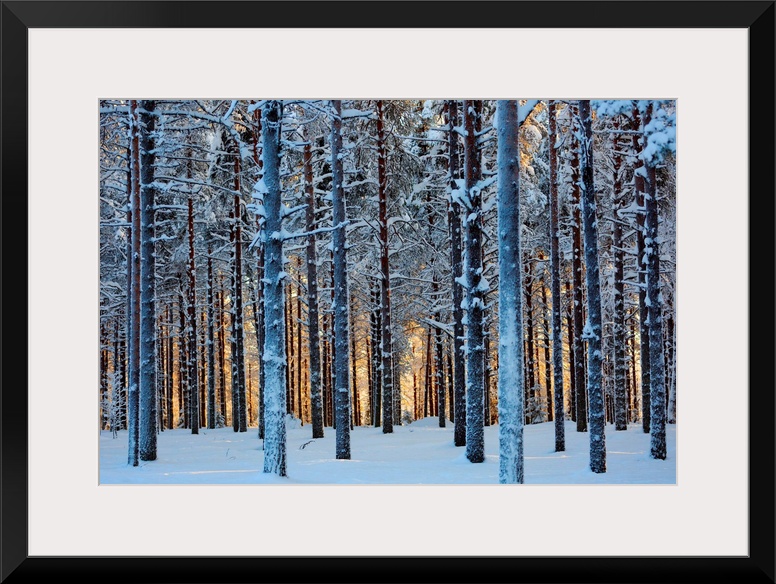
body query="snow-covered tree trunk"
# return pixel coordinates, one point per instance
(579, 349)
(640, 188)
(192, 326)
(557, 335)
(376, 378)
(671, 374)
(530, 371)
(654, 302)
(510, 353)
(458, 407)
(133, 288)
(593, 329)
(386, 341)
(147, 417)
(546, 347)
(261, 318)
(341, 305)
(618, 330)
(237, 315)
(316, 396)
(211, 356)
(274, 301)
(476, 286)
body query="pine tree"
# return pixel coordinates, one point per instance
(458, 407)
(510, 380)
(557, 335)
(475, 290)
(341, 304)
(147, 413)
(274, 298)
(386, 340)
(593, 327)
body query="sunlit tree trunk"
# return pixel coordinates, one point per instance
(644, 352)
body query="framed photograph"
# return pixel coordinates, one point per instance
(64, 60)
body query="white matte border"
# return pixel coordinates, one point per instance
(706, 514)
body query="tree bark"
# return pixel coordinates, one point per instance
(458, 411)
(579, 350)
(133, 290)
(654, 302)
(312, 298)
(386, 342)
(274, 301)
(192, 326)
(510, 383)
(557, 334)
(341, 320)
(618, 330)
(593, 328)
(644, 352)
(475, 289)
(148, 405)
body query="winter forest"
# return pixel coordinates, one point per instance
(387, 291)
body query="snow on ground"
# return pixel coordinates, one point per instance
(418, 453)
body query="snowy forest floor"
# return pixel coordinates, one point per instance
(418, 453)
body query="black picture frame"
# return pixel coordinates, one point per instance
(17, 566)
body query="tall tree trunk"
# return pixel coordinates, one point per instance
(644, 349)
(618, 332)
(654, 302)
(312, 299)
(341, 320)
(327, 397)
(274, 302)
(260, 323)
(579, 350)
(458, 410)
(183, 369)
(290, 372)
(147, 418)
(475, 438)
(594, 332)
(192, 327)
(546, 347)
(377, 404)
(222, 349)
(237, 322)
(356, 417)
(530, 362)
(510, 383)
(671, 360)
(386, 342)
(133, 290)
(440, 375)
(211, 357)
(570, 333)
(557, 334)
